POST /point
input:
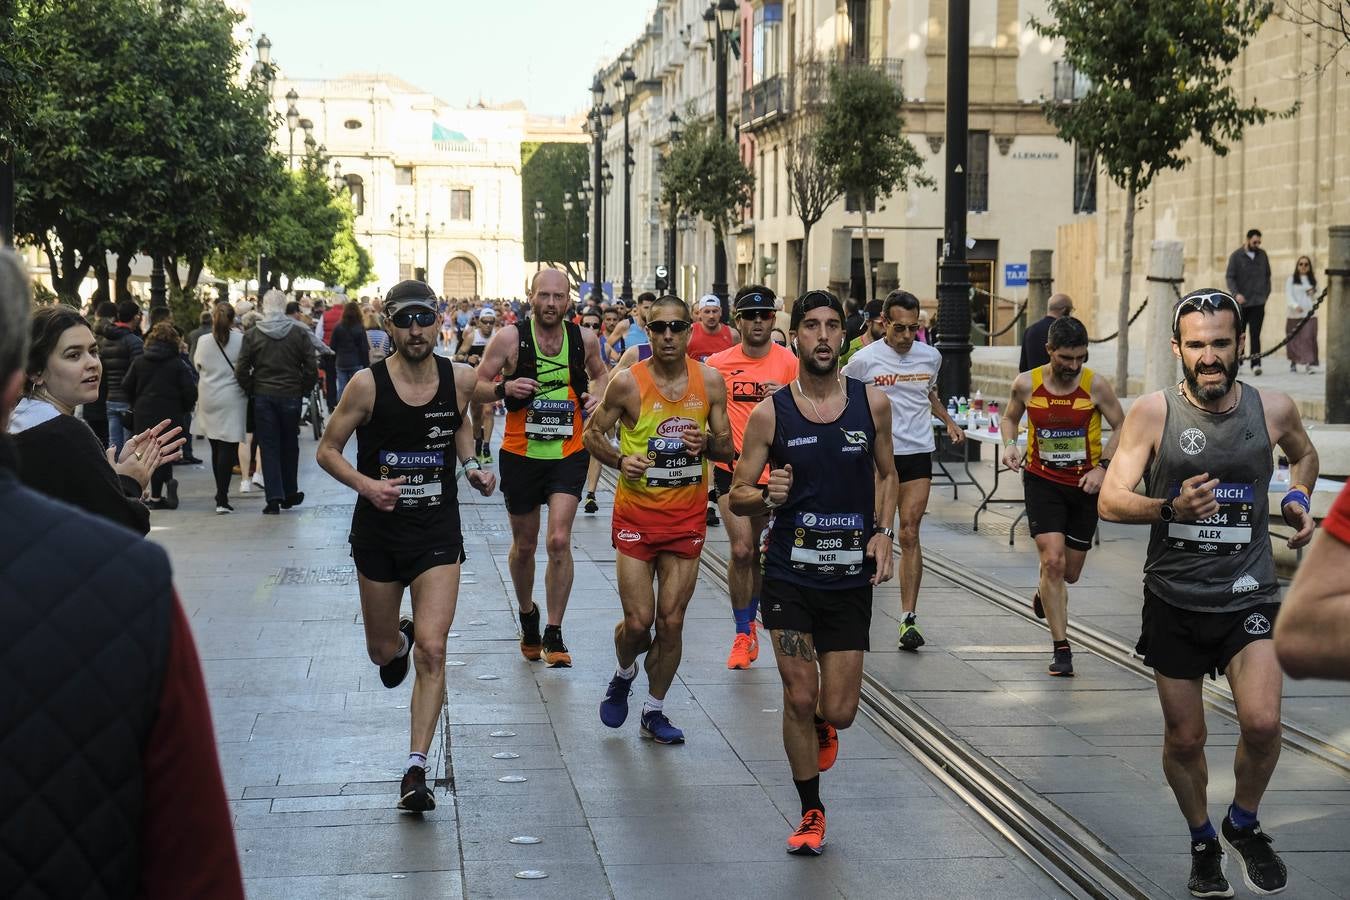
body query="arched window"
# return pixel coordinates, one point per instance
(357, 188)
(461, 279)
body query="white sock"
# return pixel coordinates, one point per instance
(629, 673)
(651, 704)
(416, 759)
(403, 649)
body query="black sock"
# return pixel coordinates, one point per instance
(809, 792)
(1061, 645)
(555, 630)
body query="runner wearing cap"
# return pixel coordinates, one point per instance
(827, 440)
(553, 377)
(875, 331)
(906, 371)
(472, 344)
(752, 370)
(408, 414)
(709, 335)
(673, 413)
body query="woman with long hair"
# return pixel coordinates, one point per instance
(350, 344)
(159, 386)
(1300, 290)
(221, 403)
(58, 453)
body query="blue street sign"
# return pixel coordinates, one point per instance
(606, 288)
(1015, 275)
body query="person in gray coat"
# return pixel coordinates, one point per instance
(277, 367)
(1248, 278)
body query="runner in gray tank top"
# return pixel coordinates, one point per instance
(1210, 594)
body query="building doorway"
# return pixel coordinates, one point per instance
(460, 279)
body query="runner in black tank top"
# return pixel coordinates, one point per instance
(409, 413)
(828, 443)
(1210, 592)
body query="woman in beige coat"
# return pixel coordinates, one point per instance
(221, 403)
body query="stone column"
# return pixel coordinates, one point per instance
(888, 278)
(1337, 318)
(841, 261)
(1039, 282)
(1160, 365)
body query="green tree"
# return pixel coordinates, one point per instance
(1158, 74)
(862, 143)
(812, 185)
(348, 263)
(704, 175)
(301, 224)
(547, 171)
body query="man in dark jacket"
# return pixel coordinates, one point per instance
(118, 345)
(1248, 277)
(119, 794)
(1034, 355)
(277, 368)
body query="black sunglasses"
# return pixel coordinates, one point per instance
(593, 325)
(1198, 302)
(757, 315)
(679, 326)
(425, 318)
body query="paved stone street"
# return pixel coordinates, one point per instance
(312, 745)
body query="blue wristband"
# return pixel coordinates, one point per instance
(1297, 496)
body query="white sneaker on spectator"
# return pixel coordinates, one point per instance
(245, 486)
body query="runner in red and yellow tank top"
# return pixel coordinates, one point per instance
(1064, 431)
(752, 370)
(674, 415)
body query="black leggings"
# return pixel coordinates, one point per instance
(158, 479)
(224, 457)
(1254, 316)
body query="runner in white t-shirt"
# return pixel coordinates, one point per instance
(907, 371)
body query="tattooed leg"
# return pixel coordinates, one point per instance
(796, 654)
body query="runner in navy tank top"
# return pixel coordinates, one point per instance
(827, 441)
(408, 412)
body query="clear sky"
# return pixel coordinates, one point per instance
(543, 52)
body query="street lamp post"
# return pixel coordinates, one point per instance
(398, 221)
(584, 194)
(426, 248)
(567, 227)
(292, 123)
(599, 121)
(538, 220)
(953, 272)
(720, 18)
(675, 135)
(626, 83)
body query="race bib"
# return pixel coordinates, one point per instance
(550, 420)
(424, 471)
(1062, 448)
(672, 464)
(1226, 532)
(828, 543)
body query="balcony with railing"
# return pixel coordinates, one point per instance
(813, 77)
(766, 102)
(1070, 84)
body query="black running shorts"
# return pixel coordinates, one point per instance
(1183, 643)
(404, 566)
(836, 620)
(913, 466)
(1060, 508)
(528, 483)
(721, 481)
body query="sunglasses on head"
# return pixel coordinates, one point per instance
(404, 319)
(1198, 302)
(679, 326)
(757, 315)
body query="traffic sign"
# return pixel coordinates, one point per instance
(1015, 275)
(662, 271)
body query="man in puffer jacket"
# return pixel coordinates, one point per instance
(277, 368)
(118, 344)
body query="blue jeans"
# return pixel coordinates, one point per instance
(276, 426)
(345, 375)
(117, 434)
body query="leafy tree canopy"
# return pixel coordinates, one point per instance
(705, 176)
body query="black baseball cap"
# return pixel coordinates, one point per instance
(407, 294)
(753, 301)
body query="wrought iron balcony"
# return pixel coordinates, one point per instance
(765, 102)
(1070, 84)
(813, 77)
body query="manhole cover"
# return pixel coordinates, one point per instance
(326, 575)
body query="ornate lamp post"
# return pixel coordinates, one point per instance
(426, 248)
(292, 123)
(539, 217)
(398, 222)
(675, 135)
(567, 229)
(626, 83)
(598, 122)
(720, 19)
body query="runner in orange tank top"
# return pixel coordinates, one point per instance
(1064, 467)
(752, 370)
(674, 416)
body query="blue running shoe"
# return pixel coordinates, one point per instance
(614, 708)
(656, 726)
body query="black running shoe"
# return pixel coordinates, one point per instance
(531, 645)
(1062, 664)
(413, 793)
(293, 500)
(393, 672)
(1262, 868)
(556, 655)
(1207, 878)
(712, 516)
(591, 506)
(1036, 606)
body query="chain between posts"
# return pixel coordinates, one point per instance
(1113, 335)
(1021, 311)
(1257, 357)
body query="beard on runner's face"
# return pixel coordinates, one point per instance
(1208, 393)
(413, 346)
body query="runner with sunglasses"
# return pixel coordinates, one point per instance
(470, 351)
(906, 371)
(553, 378)
(752, 370)
(827, 440)
(674, 418)
(408, 412)
(1204, 449)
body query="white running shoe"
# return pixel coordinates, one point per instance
(245, 486)
(258, 480)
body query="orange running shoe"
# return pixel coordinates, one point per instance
(829, 746)
(555, 651)
(809, 838)
(754, 640)
(531, 645)
(740, 652)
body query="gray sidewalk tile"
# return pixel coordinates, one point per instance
(786, 876)
(495, 880)
(445, 885)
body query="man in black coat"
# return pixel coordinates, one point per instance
(1034, 355)
(118, 344)
(1248, 279)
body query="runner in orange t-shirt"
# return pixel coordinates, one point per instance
(753, 369)
(1312, 631)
